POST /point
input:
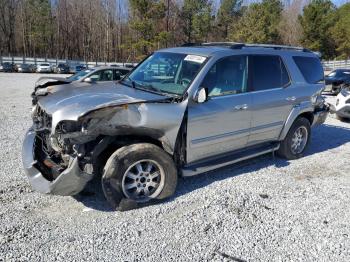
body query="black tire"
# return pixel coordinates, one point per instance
(125, 157)
(285, 149)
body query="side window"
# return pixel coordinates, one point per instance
(119, 73)
(106, 75)
(123, 72)
(346, 73)
(267, 72)
(227, 76)
(103, 75)
(96, 76)
(310, 68)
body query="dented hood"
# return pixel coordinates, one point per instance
(75, 102)
(45, 81)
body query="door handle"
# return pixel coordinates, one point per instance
(241, 107)
(291, 98)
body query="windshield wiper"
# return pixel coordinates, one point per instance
(150, 87)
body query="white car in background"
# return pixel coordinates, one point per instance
(342, 105)
(44, 68)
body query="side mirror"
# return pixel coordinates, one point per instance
(201, 95)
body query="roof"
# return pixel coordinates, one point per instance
(195, 50)
(207, 49)
(110, 67)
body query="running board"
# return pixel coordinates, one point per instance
(202, 167)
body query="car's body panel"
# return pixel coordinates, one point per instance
(70, 182)
(183, 127)
(7, 67)
(269, 111)
(336, 79)
(76, 102)
(342, 106)
(44, 68)
(217, 126)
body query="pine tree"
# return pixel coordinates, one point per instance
(317, 20)
(227, 14)
(259, 23)
(196, 16)
(341, 32)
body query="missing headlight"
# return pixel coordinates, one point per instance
(68, 127)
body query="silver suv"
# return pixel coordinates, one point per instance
(182, 111)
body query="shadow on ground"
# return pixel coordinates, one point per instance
(324, 138)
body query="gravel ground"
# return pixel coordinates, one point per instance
(259, 210)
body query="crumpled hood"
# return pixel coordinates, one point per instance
(70, 104)
(47, 80)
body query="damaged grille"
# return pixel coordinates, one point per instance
(41, 119)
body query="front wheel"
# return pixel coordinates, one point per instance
(139, 172)
(297, 139)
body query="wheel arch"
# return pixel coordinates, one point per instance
(300, 111)
(109, 144)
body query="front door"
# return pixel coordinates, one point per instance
(222, 123)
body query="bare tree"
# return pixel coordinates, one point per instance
(289, 28)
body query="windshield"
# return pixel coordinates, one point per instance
(79, 75)
(44, 64)
(169, 73)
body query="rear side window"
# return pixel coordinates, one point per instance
(267, 72)
(311, 68)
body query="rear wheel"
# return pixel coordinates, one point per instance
(139, 172)
(297, 139)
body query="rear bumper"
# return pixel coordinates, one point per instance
(320, 115)
(70, 182)
(43, 70)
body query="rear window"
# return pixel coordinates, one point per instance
(267, 72)
(311, 68)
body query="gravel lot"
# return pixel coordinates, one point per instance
(259, 210)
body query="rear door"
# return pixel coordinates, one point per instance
(222, 123)
(272, 97)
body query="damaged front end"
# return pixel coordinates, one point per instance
(61, 151)
(53, 166)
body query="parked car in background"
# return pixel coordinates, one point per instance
(46, 85)
(73, 69)
(25, 68)
(124, 65)
(342, 105)
(336, 79)
(44, 68)
(7, 67)
(61, 68)
(185, 110)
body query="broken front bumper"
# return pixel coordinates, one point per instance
(320, 115)
(70, 182)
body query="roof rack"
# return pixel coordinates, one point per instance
(235, 45)
(278, 47)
